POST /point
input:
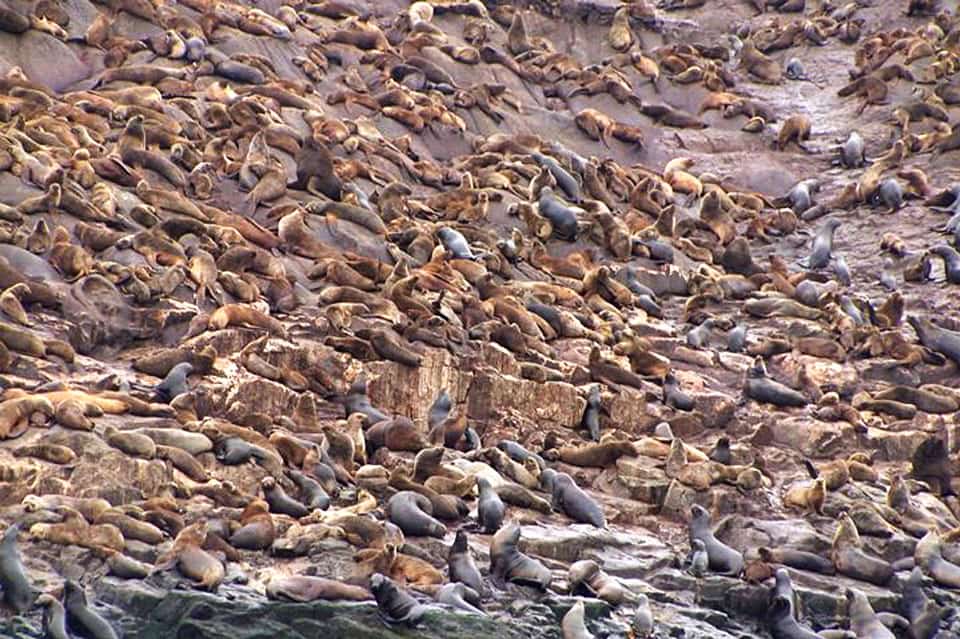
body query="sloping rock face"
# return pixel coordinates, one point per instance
(698, 257)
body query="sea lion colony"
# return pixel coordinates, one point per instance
(417, 285)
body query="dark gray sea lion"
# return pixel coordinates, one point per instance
(782, 623)
(590, 421)
(723, 559)
(673, 396)
(863, 619)
(571, 499)
(721, 451)
(460, 597)
(565, 181)
(518, 453)
(841, 270)
(490, 508)
(922, 612)
(951, 262)
(439, 410)
(234, 451)
(313, 494)
(454, 242)
(175, 383)
(508, 563)
(761, 388)
(937, 339)
(460, 563)
(737, 338)
(395, 605)
(852, 153)
(822, 245)
(13, 578)
(357, 401)
(890, 193)
(562, 217)
(799, 559)
(82, 619)
(280, 502)
(54, 618)
(413, 513)
(315, 170)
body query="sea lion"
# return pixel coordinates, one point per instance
(256, 530)
(81, 616)
(191, 560)
(928, 556)
(17, 592)
(722, 558)
(357, 401)
(782, 623)
(795, 129)
(304, 589)
(798, 559)
(508, 563)
(562, 218)
(822, 245)
(923, 613)
(940, 340)
(808, 495)
(849, 559)
(54, 617)
(461, 565)
(571, 499)
(590, 420)
(279, 501)
(490, 508)
(132, 443)
(174, 384)
(412, 512)
(573, 625)
(764, 389)
(312, 493)
(16, 414)
(315, 170)
(394, 605)
(863, 619)
(587, 578)
(460, 597)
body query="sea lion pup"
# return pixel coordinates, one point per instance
(280, 501)
(761, 388)
(722, 558)
(673, 396)
(850, 560)
(315, 171)
(304, 589)
(799, 559)
(923, 613)
(853, 152)
(174, 384)
(807, 495)
(13, 579)
(929, 557)
(412, 512)
(937, 339)
(357, 401)
(256, 530)
(508, 563)
(795, 129)
(864, 621)
(455, 244)
(460, 563)
(82, 618)
(573, 625)
(191, 560)
(395, 606)
(822, 246)
(490, 508)
(571, 500)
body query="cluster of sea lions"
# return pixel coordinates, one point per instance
(426, 280)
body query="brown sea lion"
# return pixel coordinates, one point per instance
(191, 560)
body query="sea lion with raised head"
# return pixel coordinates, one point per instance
(490, 508)
(395, 606)
(722, 558)
(17, 592)
(571, 499)
(82, 618)
(508, 563)
(460, 563)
